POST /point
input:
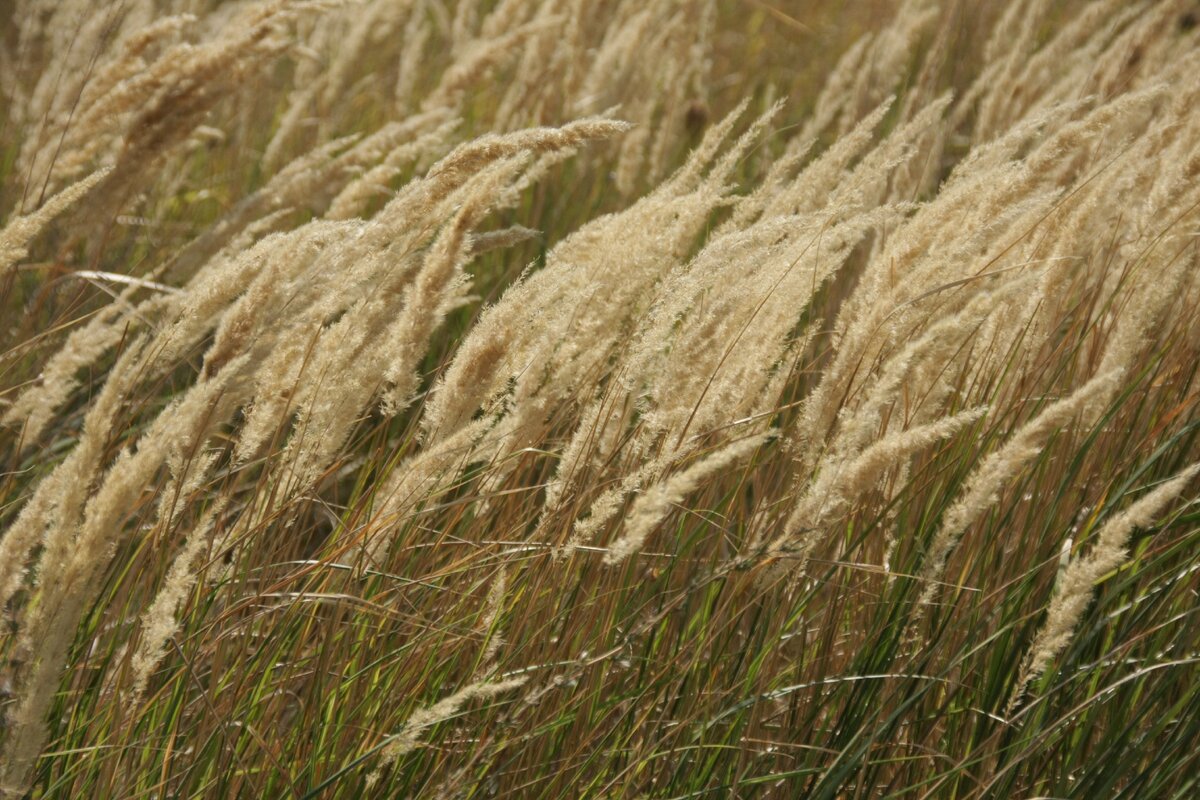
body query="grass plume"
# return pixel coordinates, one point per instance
(546, 398)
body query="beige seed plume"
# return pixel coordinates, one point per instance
(656, 502)
(838, 484)
(1076, 585)
(19, 232)
(997, 469)
(409, 736)
(159, 622)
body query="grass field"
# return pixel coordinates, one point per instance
(599, 398)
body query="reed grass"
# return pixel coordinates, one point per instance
(548, 398)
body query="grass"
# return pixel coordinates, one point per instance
(651, 503)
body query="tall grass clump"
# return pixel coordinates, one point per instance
(549, 398)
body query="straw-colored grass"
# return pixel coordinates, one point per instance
(573, 398)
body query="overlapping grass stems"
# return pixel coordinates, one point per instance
(553, 398)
